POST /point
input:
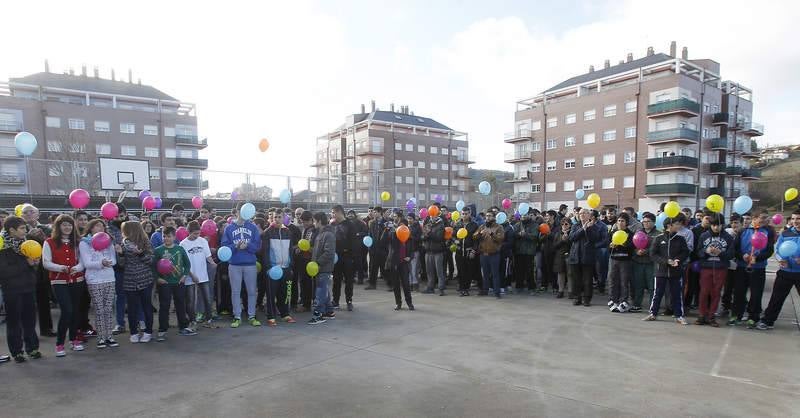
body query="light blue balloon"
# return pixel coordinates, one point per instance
(580, 194)
(367, 241)
(660, 221)
(335, 258)
(25, 143)
(248, 211)
(502, 218)
(484, 187)
(524, 208)
(224, 254)
(285, 196)
(640, 215)
(787, 249)
(742, 204)
(460, 205)
(275, 273)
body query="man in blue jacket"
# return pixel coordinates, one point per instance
(787, 277)
(242, 237)
(751, 271)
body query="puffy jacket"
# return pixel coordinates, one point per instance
(789, 234)
(743, 246)
(433, 236)
(585, 242)
(709, 239)
(526, 238)
(16, 275)
(645, 258)
(491, 244)
(624, 251)
(561, 246)
(324, 249)
(666, 247)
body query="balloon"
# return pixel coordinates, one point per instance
(263, 145)
(312, 268)
(258, 267)
(485, 188)
(672, 209)
(715, 203)
(790, 194)
(403, 233)
(524, 208)
(275, 273)
(234, 195)
(660, 221)
(197, 202)
(410, 205)
(143, 194)
(506, 203)
(100, 241)
(742, 204)
(460, 205)
(79, 198)
(109, 210)
(286, 219)
(159, 202)
(544, 229)
(164, 266)
(18, 209)
(437, 198)
(367, 241)
(423, 213)
(501, 218)
(640, 240)
(462, 233)
(759, 240)
(433, 210)
(2, 242)
(285, 196)
(453, 247)
(593, 200)
(580, 194)
(149, 203)
(31, 249)
(516, 215)
(181, 233)
(25, 143)
(448, 233)
(619, 238)
(208, 228)
(247, 211)
(385, 196)
(229, 219)
(304, 244)
(777, 219)
(224, 254)
(455, 216)
(787, 249)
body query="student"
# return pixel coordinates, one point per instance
(643, 267)
(670, 254)
(344, 270)
(197, 285)
(490, 238)
(727, 294)
(416, 235)
(692, 293)
(99, 267)
(584, 237)
(276, 247)
(525, 246)
(60, 258)
(433, 243)
(171, 286)
(561, 245)
(397, 264)
(18, 282)
(244, 240)
(306, 283)
(751, 271)
(467, 261)
(620, 267)
(167, 221)
(377, 253)
(714, 252)
(322, 253)
(136, 259)
(787, 277)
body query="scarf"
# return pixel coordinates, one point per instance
(11, 242)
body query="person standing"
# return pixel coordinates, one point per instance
(584, 237)
(303, 257)
(561, 245)
(276, 246)
(727, 294)
(99, 274)
(643, 267)
(199, 299)
(414, 266)
(397, 263)
(39, 232)
(377, 253)
(244, 241)
(620, 267)
(467, 260)
(433, 243)
(137, 261)
(172, 285)
(490, 238)
(343, 271)
(788, 275)
(752, 271)
(525, 246)
(670, 254)
(692, 293)
(323, 253)
(714, 252)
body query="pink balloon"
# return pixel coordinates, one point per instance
(230, 219)
(101, 241)
(197, 202)
(164, 266)
(423, 213)
(109, 210)
(79, 198)
(759, 240)
(777, 219)
(640, 240)
(506, 203)
(208, 228)
(149, 203)
(181, 233)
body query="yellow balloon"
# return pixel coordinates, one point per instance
(258, 266)
(304, 245)
(672, 209)
(790, 194)
(455, 216)
(18, 209)
(715, 203)
(312, 268)
(385, 196)
(462, 233)
(31, 249)
(593, 200)
(619, 237)
(2, 242)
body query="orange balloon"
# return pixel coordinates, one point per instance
(263, 145)
(433, 210)
(403, 233)
(544, 229)
(448, 233)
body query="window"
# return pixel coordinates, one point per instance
(630, 106)
(630, 156)
(421, 180)
(127, 128)
(172, 174)
(550, 187)
(445, 166)
(409, 180)
(552, 122)
(609, 159)
(169, 153)
(102, 149)
(398, 146)
(53, 171)
(570, 119)
(569, 141)
(705, 132)
(663, 97)
(551, 144)
(150, 130)
(420, 148)
(77, 148)
(128, 150)
(536, 125)
(569, 186)
(398, 163)
(588, 115)
(536, 188)
(102, 126)
(608, 183)
(434, 166)
(588, 161)
(630, 132)
(445, 182)
(536, 167)
(52, 122)
(409, 164)
(410, 147)
(421, 164)
(569, 163)
(537, 146)
(434, 181)
(434, 150)
(445, 151)
(155, 174)
(398, 179)
(588, 184)
(588, 138)
(627, 182)
(551, 166)
(53, 146)
(151, 152)
(77, 124)
(610, 110)
(610, 135)
(169, 132)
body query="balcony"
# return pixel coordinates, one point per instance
(10, 152)
(463, 157)
(12, 178)
(191, 163)
(734, 171)
(462, 174)
(336, 157)
(752, 129)
(375, 149)
(682, 106)
(191, 183)
(521, 135)
(683, 162)
(718, 168)
(519, 178)
(517, 156)
(190, 141)
(720, 119)
(725, 192)
(682, 135)
(719, 144)
(670, 189)
(751, 174)
(10, 127)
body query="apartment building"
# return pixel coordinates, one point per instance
(80, 118)
(661, 127)
(396, 151)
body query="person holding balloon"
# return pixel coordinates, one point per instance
(788, 276)
(303, 256)
(620, 266)
(643, 267)
(243, 239)
(401, 248)
(416, 236)
(277, 244)
(99, 258)
(39, 232)
(714, 253)
(172, 266)
(433, 241)
(377, 253)
(321, 267)
(490, 237)
(754, 246)
(467, 260)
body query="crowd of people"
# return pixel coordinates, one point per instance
(176, 263)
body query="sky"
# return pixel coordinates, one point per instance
(292, 71)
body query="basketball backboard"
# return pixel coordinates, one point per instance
(116, 173)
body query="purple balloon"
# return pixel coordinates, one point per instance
(516, 216)
(234, 195)
(143, 194)
(286, 219)
(159, 202)
(437, 198)
(410, 205)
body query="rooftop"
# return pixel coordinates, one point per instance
(616, 69)
(92, 84)
(415, 120)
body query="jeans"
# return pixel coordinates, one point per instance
(343, 272)
(711, 282)
(435, 265)
(619, 277)
(121, 298)
(490, 266)
(643, 274)
(140, 305)
(754, 281)
(198, 299)
(676, 295)
(323, 294)
(103, 301)
(21, 323)
(68, 297)
(413, 270)
(784, 281)
(246, 274)
(171, 292)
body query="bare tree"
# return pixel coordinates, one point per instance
(70, 164)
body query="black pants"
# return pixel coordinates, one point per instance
(692, 296)
(400, 280)
(277, 304)
(727, 293)
(523, 271)
(358, 266)
(43, 301)
(224, 286)
(21, 322)
(294, 296)
(548, 278)
(582, 285)
(423, 272)
(68, 296)
(754, 281)
(467, 268)
(784, 281)
(343, 272)
(167, 293)
(376, 264)
(449, 268)
(261, 286)
(306, 286)
(506, 274)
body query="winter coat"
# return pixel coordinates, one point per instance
(433, 237)
(561, 246)
(324, 249)
(743, 246)
(488, 245)
(16, 275)
(666, 247)
(622, 252)
(526, 238)
(645, 258)
(585, 242)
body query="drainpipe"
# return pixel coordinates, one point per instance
(636, 142)
(700, 142)
(544, 155)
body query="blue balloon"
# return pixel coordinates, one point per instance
(335, 258)
(787, 249)
(275, 273)
(25, 143)
(484, 187)
(580, 194)
(660, 221)
(367, 241)
(460, 205)
(742, 204)
(248, 211)
(224, 254)
(640, 215)
(502, 218)
(524, 208)
(285, 196)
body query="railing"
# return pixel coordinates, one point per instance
(754, 129)
(671, 161)
(674, 106)
(670, 189)
(12, 178)
(375, 149)
(734, 171)
(10, 127)
(672, 134)
(10, 152)
(720, 143)
(721, 118)
(751, 173)
(190, 140)
(191, 162)
(718, 168)
(517, 155)
(517, 135)
(192, 183)
(462, 157)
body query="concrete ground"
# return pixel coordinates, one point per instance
(520, 356)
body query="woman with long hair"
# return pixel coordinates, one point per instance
(149, 228)
(137, 281)
(99, 265)
(60, 258)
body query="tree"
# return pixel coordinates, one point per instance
(70, 165)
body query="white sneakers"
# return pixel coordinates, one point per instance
(614, 307)
(146, 338)
(681, 320)
(624, 307)
(76, 346)
(135, 338)
(618, 307)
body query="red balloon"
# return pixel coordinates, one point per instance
(544, 229)
(181, 233)
(149, 203)
(101, 241)
(164, 266)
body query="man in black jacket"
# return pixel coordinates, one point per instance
(466, 253)
(345, 233)
(669, 252)
(585, 236)
(377, 252)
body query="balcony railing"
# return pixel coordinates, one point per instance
(517, 156)
(518, 178)
(725, 192)
(375, 149)
(463, 157)
(752, 129)
(674, 135)
(672, 189)
(719, 143)
(519, 135)
(462, 174)
(191, 162)
(682, 105)
(192, 183)
(10, 152)
(721, 118)
(191, 140)
(10, 127)
(718, 168)
(751, 173)
(674, 161)
(734, 171)
(12, 178)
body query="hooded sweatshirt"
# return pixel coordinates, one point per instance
(708, 240)
(247, 233)
(789, 234)
(276, 247)
(743, 245)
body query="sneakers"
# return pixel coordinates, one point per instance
(288, 319)
(101, 344)
(224, 312)
(713, 323)
(235, 323)
(329, 315)
(733, 322)
(610, 303)
(76, 346)
(198, 317)
(254, 322)
(350, 304)
(441, 292)
(624, 307)
(316, 321)
(751, 324)
(681, 320)
(272, 322)
(35, 354)
(161, 336)
(4, 358)
(112, 342)
(146, 338)
(649, 317)
(117, 330)
(560, 295)
(410, 307)
(90, 333)
(636, 309)
(577, 302)
(187, 332)
(700, 321)
(335, 306)
(135, 339)
(19, 358)
(614, 308)
(60, 352)
(398, 307)
(762, 326)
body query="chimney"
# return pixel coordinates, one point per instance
(650, 51)
(83, 70)
(46, 66)
(606, 64)
(363, 108)
(130, 76)
(391, 107)
(113, 75)
(622, 62)
(412, 113)
(672, 49)
(591, 68)
(372, 105)
(630, 57)
(71, 71)
(685, 53)
(96, 71)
